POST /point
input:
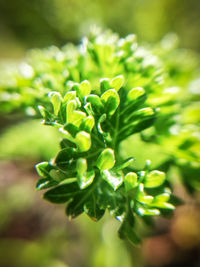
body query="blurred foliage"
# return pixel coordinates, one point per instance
(28, 140)
(42, 23)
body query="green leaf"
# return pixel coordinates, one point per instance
(73, 116)
(71, 95)
(56, 100)
(87, 124)
(162, 198)
(117, 82)
(62, 193)
(104, 84)
(75, 207)
(71, 107)
(140, 114)
(148, 212)
(95, 102)
(101, 119)
(71, 128)
(154, 179)
(123, 165)
(64, 156)
(162, 205)
(127, 232)
(84, 89)
(112, 178)
(81, 166)
(106, 159)
(135, 127)
(86, 179)
(57, 175)
(141, 197)
(135, 93)
(45, 113)
(111, 101)
(144, 112)
(130, 181)
(43, 169)
(45, 183)
(83, 141)
(65, 143)
(92, 209)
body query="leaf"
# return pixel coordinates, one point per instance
(148, 212)
(71, 95)
(65, 143)
(104, 84)
(62, 193)
(84, 89)
(45, 183)
(126, 231)
(43, 168)
(56, 100)
(141, 197)
(45, 113)
(162, 198)
(106, 159)
(92, 209)
(140, 114)
(112, 178)
(75, 207)
(117, 82)
(111, 101)
(74, 116)
(71, 107)
(101, 119)
(95, 102)
(136, 127)
(57, 175)
(154, 179)
(83, 141)
(135, 93)
(163, 205)
(63, 157)
(71, 128)
(81, 166)
(86, 179)
(109, 199)
(87, 124)
(130, 181)
(123, 165)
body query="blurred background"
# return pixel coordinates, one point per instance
(34, 233)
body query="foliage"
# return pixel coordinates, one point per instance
(99, 95)
(39, 24)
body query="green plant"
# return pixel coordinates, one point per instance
(97, 95)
